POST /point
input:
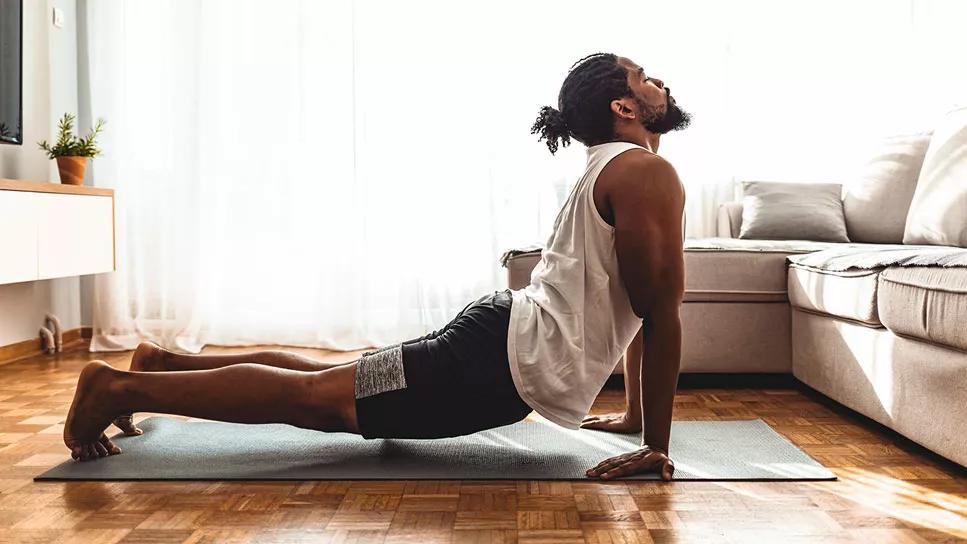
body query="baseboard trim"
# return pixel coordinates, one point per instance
(30, 348)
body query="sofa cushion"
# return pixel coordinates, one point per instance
(938, 212)
(876, 202)
(792, 211)
(735, 270)
(927, 303)
(850, 295)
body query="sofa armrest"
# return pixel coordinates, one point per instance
(729, 220)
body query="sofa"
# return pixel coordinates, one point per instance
(877, 322)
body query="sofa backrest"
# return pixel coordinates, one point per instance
(729, 220)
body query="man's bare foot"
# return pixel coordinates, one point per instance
(92, 410)
(148, 357)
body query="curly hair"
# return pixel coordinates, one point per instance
(584, 103)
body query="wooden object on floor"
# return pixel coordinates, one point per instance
(33, 348)
(890, 490)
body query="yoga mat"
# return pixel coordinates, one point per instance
(533, 449)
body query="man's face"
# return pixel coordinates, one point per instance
(659, 113)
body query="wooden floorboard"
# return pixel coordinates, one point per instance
(889, 489)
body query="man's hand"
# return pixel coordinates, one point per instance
(643, 460)
(615, 423)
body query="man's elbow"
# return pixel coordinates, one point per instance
(660, 305)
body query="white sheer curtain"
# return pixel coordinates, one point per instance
(346, 174)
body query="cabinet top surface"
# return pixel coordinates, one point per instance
(45, 187)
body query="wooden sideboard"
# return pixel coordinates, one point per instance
(52, 230)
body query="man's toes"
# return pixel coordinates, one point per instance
(127, 426)
(100, 449)
(111, 447)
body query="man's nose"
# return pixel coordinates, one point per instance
(660, 83)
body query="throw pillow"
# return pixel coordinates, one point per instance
(877, 201)
(938, 212)
(793, 211)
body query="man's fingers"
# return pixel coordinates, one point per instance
(590, 420)
(620, 470)
(651, 462)
(607, 464)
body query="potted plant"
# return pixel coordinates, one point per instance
(71, 151)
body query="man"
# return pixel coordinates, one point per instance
(548, 347)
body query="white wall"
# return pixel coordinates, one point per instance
(49, 90)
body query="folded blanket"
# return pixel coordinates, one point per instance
(821, 255)
(839, 259)
(533, 248)
(757, 246)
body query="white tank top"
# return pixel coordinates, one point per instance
(571, 325)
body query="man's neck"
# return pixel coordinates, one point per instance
(648, 140)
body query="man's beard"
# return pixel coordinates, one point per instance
(674, 118)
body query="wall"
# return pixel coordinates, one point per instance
(49, 90)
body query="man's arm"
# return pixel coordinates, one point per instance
(648, 212)
(628, 421)
(648, 207)
(633, 377)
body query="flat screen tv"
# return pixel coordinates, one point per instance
(11, 71)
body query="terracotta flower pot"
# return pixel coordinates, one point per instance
(72, 169)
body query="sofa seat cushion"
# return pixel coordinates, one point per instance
(736, 270)
(848, 295)
(927, 303)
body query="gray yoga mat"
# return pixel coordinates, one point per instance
(533, 449)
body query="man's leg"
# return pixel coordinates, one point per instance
(150, 357)
(241, 393)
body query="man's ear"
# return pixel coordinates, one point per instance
(622, 108)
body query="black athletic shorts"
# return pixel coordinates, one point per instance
(451, 382)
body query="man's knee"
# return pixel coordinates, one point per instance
(328, 400)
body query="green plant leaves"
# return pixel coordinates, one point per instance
(69, 145)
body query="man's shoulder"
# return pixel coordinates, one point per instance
(635, 170)
(638, 163)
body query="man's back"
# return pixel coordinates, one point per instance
(573, 322)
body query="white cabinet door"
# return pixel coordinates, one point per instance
(75, 235)
(18, 236)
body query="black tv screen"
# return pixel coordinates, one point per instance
(11, 72)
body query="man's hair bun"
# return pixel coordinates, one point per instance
(552, 127)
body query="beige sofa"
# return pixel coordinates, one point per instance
(887, 341)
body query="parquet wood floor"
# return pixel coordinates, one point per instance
(890, 490)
